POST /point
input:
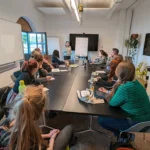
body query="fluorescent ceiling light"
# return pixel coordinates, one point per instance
(74, 6)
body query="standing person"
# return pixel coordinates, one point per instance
(114, 53)
(67, 51)
(129, 95)
(25, 134)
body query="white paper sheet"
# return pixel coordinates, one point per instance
(100, 71)
(55, 70)
(81, 48)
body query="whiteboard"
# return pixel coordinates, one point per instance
(53, 43)
(11, 46)
(81, 48)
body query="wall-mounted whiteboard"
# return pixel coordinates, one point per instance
(53, 43)
(81, 48)
(11, 47)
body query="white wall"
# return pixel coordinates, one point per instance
(141, 25)
(62, 26)
(12, 10)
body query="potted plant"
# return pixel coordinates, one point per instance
(132, 44)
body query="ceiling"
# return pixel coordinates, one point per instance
(91, 7)
(86, 3)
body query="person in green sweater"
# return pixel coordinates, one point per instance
(129, 95)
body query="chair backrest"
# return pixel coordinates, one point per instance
(140, 127)
(17, 73)
(13, 78)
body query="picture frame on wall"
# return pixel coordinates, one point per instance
(146, 50)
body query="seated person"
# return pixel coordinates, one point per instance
(118, 57)
(25, 133)
(55, 58)
(28, 72)
(129, 95)
(114, 53)
(102, 59)
(39, 58)
(46, 64)
(110, 79)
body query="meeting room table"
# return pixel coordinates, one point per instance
(62, 94)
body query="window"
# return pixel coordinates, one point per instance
(32, 40)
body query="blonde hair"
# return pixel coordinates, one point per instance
(37, 56)
(25, 133)
(125, 72)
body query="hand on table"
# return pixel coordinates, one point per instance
(48, 78)
(103, 90)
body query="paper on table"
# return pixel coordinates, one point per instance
(52, 78)
(92, 100)
(100, 71)
(97, 101)
(63, 70)
(55, 70)
(74, 65)
(63, 66)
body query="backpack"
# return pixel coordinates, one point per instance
(3, 96)
(123, 142)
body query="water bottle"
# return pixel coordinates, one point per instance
(21, 87)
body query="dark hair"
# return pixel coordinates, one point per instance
(29, 65)
(116, 50)
(38, 57)
(103, 53)
(56, 53)
(113, 65)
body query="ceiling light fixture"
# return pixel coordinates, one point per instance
(74, 6)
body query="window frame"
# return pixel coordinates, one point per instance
(42, 43)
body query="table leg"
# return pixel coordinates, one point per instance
(44, 122)
(92, 130)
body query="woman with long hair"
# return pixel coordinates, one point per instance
(102, 59)
(45, 64)
(56, 58)
(110, 79)
(25, 133)
(129, 95)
